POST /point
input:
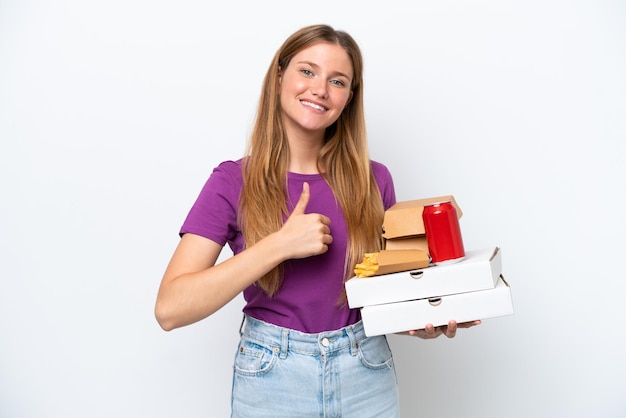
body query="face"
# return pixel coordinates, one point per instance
(315, 88)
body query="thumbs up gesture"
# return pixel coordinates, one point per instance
(306, 234)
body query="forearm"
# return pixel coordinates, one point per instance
(190, 296)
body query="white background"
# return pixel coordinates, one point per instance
(113, 114)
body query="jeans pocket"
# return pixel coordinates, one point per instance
(254, 359)
(375, 353)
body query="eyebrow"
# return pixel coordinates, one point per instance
(312, 64)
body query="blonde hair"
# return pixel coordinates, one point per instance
(344, 156)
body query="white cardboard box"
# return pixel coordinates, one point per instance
(415, 314)
(479, 270)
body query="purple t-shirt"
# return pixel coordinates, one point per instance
(307, 299)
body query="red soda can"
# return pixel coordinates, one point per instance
(443, 232)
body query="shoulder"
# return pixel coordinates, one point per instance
(227, 172)
(229, 167)
(225, 180)
(380, 171)
(385, 183)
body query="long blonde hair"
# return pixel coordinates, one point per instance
(344, 156)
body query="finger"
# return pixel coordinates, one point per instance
(325, 228)
(303, 201)
(430, 329)
(451, 329)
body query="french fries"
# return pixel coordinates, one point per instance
(368, 267)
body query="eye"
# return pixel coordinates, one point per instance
(338, 83)
(306, 71)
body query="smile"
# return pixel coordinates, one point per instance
(314, 106)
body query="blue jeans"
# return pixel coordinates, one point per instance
(280, 372)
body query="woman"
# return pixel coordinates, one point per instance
(298, 211)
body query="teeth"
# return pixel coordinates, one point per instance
(313, 105)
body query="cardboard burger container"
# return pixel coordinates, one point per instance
(415, 314)
(479, 270)
(403, 229)
(404, 219)
(408, 243)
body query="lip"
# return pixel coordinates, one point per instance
(315, 105)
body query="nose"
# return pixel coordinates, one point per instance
(319, 88)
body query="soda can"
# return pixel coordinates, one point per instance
(443, 233)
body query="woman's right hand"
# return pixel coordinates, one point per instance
(306, 234)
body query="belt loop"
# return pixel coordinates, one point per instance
(354, 346)
(285, 344)
(243, 319)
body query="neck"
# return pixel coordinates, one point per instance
(303, 155)
(303, 162)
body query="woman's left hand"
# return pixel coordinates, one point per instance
(449, 330)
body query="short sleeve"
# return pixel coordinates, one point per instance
(214, 213)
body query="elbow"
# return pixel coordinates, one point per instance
(171, 313)
(165, 325)
(164, 319)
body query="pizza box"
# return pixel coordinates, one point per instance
(479, 270)
(410, 315)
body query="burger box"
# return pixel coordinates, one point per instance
(404, 219)
(409, 243)
(479, 270)
(403, 228)
(415, 314)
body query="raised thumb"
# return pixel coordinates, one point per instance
(303, 201)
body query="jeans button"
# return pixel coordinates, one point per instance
(325, 342)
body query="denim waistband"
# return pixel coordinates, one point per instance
(282, 340)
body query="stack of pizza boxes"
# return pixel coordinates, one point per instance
(407, 291)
